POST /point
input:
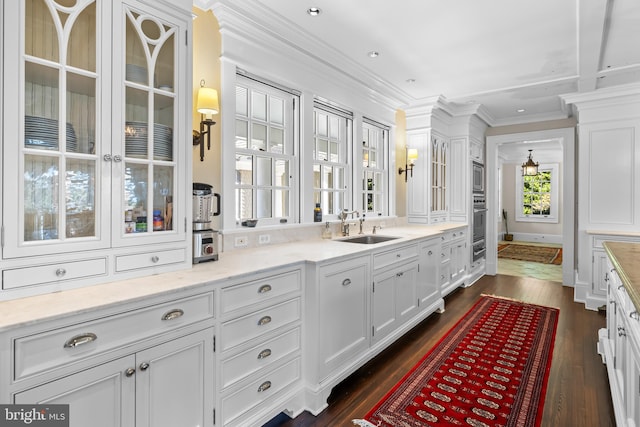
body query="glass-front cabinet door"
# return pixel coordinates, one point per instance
(53, 191)
(148, 129)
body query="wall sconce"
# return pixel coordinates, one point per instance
(530, 168)
(411, 155)
(207, 104)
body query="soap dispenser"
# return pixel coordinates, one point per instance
(326, 233)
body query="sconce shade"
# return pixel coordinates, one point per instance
(207, 101)
(412, 155)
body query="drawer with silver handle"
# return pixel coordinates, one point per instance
(53, 349)
(246, 294)
(399, 255)
(259, 390)
(246, 363)
(245, 328)
(52, 273)
(150, 259)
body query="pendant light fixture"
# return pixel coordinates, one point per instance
(530, 168)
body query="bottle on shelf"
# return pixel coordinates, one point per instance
(317, 213)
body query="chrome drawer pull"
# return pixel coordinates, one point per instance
(80, 340)
(173, 314)
(264, 386)
(61, 272)
(620, 287)
(129, 372)
(635, 315)
(400, 274)
(264, 353)
(264, 320)
(429, 253)
(155, 259)
(264, 289)
(144, 366)
(346, 282)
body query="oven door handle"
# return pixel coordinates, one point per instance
(480, 210)
(479, 252)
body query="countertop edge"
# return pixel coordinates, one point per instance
(613, 250)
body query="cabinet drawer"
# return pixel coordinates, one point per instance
(458, 234)
(258, 357)
(445, 254)
(150, 259)
(52, 349)
(244, 295)
(43, 274)
(259, 391)
(388, 258)
(245, 328)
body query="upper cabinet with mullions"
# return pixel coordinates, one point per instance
(96, 112)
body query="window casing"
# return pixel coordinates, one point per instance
(332, 142)
(537, 198)
(265, 153)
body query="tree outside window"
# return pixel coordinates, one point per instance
(537, 198)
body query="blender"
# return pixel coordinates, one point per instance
(205, 239)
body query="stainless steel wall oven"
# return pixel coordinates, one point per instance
(479, 226)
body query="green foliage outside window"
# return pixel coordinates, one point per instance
(536, 194)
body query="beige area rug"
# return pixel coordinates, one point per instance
(541, 254)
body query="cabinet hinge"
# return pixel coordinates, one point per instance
(185, 224)
(373, 331)
(374, 286)
(186, 37)
(214, 416)
(2, 236)
(214, 343)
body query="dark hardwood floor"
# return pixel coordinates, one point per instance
(578, 388)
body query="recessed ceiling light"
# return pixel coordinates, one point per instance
(373, 54)
(410, 81)
(520, 110)
(314, 11)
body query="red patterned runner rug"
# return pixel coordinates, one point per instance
(490, 369)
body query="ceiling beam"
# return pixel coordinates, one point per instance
(593, 25)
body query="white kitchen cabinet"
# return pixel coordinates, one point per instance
(343, 328)
(428, 277)
(458, 163)
(394, 291)
(163, 386)
(454, 260)
(260, 340)
(97, 112)
(599, 273)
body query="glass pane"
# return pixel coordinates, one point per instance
(244, 199)
(81, 52)
(334, 156)
(282, 173)
(373, 159)
(339, 178)
(244, 170)
(281, 207)
(41, 107)
(242, 131)
(316, 197)
(136, 195)
(80, 196)
(327, 177)
(164, 65)
(162, 198)
(136, 59)
(276, 140)
(276, 110)
(136, 127)
(81, 114)
(263, 203)
(322, 153)
(258, 106)
(327, 202)
(316, 177)
(41, 38)
(41, 198)
(322, 125)
(334, 127)
(241, 101)
(258, 137)
(163, 128)
(263, 172)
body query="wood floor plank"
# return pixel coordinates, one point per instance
(578, 388)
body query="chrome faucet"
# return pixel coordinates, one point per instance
(376, 227)
(344, 226)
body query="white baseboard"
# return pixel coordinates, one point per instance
(535, 238)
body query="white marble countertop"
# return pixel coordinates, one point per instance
(231, 265)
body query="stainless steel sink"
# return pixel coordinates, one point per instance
(368, 239)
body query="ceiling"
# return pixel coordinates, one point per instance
(505, 55)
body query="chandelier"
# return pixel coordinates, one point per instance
(530, 168)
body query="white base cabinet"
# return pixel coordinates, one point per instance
(454, 260)
(619, 345)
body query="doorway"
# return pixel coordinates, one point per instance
(566, 140)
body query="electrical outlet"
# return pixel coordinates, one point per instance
(263, 239)
(241, 241)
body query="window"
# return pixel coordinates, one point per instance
(538, 195)
(375, 146)
(332, 136)
(265, 153)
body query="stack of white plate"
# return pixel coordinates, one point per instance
(41, 132)
(136, 73)
(136, 140)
